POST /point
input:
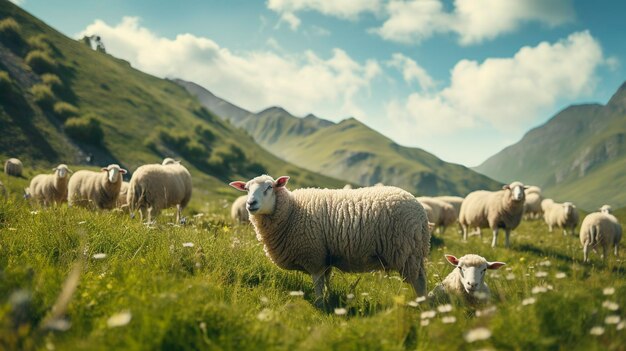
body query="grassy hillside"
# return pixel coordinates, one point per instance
(223, 293)
(579, 155)
(347, 150)
(117, 114)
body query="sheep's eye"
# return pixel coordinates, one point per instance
(266, 189)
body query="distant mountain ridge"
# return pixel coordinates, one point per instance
(578, 155)
(346, 150)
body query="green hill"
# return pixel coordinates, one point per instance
(579, 155)
(347, 150)
(61, 100)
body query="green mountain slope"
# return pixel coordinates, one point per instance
(579, 155)
(116, 113)
(347, 150)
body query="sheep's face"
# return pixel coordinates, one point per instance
(261, 193)
(472, 269)
(606, 209)
(568, 209)
(113, 173)
(516, 190)
(62, 171)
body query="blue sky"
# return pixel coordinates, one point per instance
(461, 78)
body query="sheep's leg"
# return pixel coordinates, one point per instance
(318, 283)
(586, 252)
(178, 211)
(550, 228)
(495, 238)
(414, 272)
(507, 235)
(604, 250)
(464, 228)
(327, 275)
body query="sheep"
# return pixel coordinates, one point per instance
(545, 204)
(606, 209)
(96, 189)
(238, 211)
(532, 204)
(48, 189)
(454, 201)
(359, 230)
(443, 213)
(560, 215)
(121, 199)
(600, 229)
(13, 167)
(154, 187)
(467, 281)
(496, 210)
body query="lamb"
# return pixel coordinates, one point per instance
(600, 229)
(155, 187)
(467, 280)
(96, 189)
(313, 230)
(121, 199)
(497, 210)
(606, 209)
(238, 211)
(443, 213)
(13, 167)
(48, 189)
(562, 215)
(532, 204)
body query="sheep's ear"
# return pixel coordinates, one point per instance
(495, 265)
(505, 187)
(54, 169)
(239, 185)
(452, 259)
(70, 171)
(104, 169)
(281, 181)
(123, 171)
(526, 187)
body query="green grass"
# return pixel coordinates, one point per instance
(224, 293)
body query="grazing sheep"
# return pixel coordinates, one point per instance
(443, 213)
(238, 211)
(545, 204)
(48, 189)
(13, 167)
(96, 189)
(606, 209)
(562, 215)
(313, 230)
(494, 209)
(156, 187)
(532, 204)
(467, 279)
(600, 229)
(169, 161)
(454, 201)
(121, 199)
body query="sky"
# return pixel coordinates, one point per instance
(461, 79)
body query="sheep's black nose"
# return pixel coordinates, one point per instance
(251, 203)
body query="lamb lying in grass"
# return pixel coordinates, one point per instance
(467, 279)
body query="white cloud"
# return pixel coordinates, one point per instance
(503, 94)
(291, 19)
(347, 9)
(301, 83)
(473, 21)
(411, 71)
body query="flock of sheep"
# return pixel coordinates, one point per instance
(355, 230)
(152, 188)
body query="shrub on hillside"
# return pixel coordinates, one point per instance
(40, 62)
(53, 81)
(64, 110)
(6, 84)
(43, 95)
(10, 34)
(39, 42)
(86, 129)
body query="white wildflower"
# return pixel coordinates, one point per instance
(510, 276)
(188, 244)
(296, 293)
(539, 289)
(119, 319)
(528, 301)
(350, 296)
(560, 275)
(341, 311)
(264, 300)
(477, 334)
(608, 291)
(597, 330)
(420, 299)
(428, 314)
(541, 274)
(621, 325)
(610, 305)
(444, 308)
(448, 319)
(99, 256)
(82, 222)
(613, 319)
(486, 312)
(545, 263)
(265, 315)
(412, 303)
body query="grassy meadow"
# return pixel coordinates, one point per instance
(71, 279)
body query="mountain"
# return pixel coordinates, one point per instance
(348, 150)
(578, 155)
(60, 101)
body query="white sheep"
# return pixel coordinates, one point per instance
(606, 209)
(49, 189)
(467, 280)
(360, 230)
(454, 201)
(238, 211)
(600, 229)
(563, 215)
(443, 214)
(532, 204)
(121, 199)
(494, 209)
(155, 187)
(96, 189)
(13, 167)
